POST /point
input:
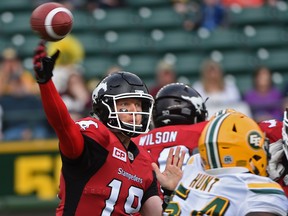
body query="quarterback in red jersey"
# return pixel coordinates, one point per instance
(179, 116)
(103, 171)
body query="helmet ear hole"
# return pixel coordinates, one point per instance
(234, 128)
(256, 157)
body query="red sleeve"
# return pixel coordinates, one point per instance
(272, 128)
(70, 138)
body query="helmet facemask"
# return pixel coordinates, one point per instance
(131, 129)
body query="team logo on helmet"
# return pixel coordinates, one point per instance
(196, 101)
(101, 86)
(254, 139)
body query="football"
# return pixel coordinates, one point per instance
(51, 21)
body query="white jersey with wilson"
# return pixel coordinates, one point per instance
(225, 191)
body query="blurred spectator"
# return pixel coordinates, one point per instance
(213, 14)
(24, 118)
(208, 14)
(14, 78)
(214, 85)
(68, 75)
(264, 98)
(220, 91)
(243, 3)
(165, 74)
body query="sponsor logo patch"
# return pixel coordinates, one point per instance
(119, 154)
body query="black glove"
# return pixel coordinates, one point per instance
(43, 64)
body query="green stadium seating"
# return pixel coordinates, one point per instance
(173, 40)
(276, 60)
(17, 5)
(96, 66)
(238, 62)
(116, 19)
(143, 65)
(251, 16)
(4, 42)
(160, 17)
(221, 38)
(147, 3)
(127, 42)
(82, 21)
(244, 82)
(15, 22)
(27, 46)
(188, 63)
(281, 13)
(267, 36)
(92, 41)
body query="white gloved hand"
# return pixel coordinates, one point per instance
(275, 169)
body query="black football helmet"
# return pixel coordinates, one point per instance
(118, 86)
(178, 103)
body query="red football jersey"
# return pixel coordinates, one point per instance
(107, 179)
(158, 141)
(99, 175)
(273, 130)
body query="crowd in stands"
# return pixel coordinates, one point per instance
(19, 94)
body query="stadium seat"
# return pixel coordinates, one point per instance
(266, 36)
(116, 19)
(82, 21)
(15, 22)
(221, 38)
(96, 66)
(25, 45)
(276, 60)
(173, 40)
(188, 63)
(235, 62)
(3, 43)
(159, 17)
(251, 16)
(17, 5)
(127, 42)
(148, 3)
(143, 65)
(244, 81)
(92, 41)
(281, 12)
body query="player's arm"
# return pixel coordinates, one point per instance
(152, 207)
(70, 137)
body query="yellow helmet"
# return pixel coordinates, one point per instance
(220, 112)
(233, 140)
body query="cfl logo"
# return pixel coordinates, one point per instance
(254, 140)
(119, 154)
